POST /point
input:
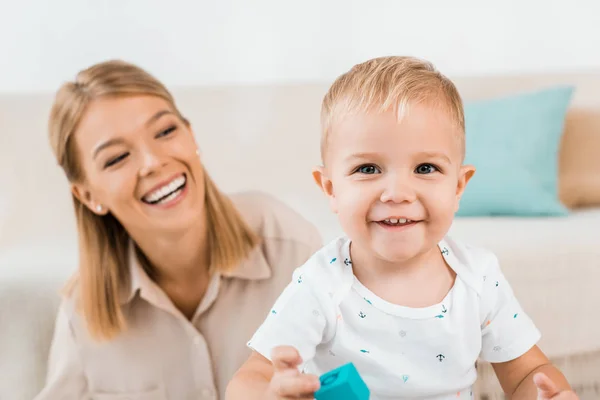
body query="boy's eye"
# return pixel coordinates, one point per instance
(368, 169)
(167, 131)
(115, 160)
(426, 169)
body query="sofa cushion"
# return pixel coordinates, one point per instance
(514, 142)
(579, 178)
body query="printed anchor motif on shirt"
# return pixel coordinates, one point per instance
(300, 279)
(445, 251)
(362, 314)
(402, 333)
(444, 309)
(347, 261)
(440, 357)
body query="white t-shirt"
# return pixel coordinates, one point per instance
(400, 352)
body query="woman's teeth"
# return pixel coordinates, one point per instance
(169, 197)
(167, 192)
(399, 221)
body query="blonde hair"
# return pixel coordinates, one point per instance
(103, 241)
(385, 83)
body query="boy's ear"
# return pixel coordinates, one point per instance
(464, 176)
(325, 184)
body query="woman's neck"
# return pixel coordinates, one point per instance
(177, 258)
(179, 264)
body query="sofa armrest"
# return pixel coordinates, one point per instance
(30, 287)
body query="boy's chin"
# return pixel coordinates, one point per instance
(396, 257)
(397, 252)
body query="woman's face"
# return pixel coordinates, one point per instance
(140, 163)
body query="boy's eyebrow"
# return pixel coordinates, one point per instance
(426, 154)
(360, 156)
(434, 154)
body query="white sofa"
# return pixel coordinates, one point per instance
(267, 138)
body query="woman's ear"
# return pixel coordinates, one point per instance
(85, 197)
(324, 182)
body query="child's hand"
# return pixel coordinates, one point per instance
(287, 381)
(547, 390)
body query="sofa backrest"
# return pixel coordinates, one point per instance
(252, 137)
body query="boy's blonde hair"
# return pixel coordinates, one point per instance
(385, 83)
(103, 241)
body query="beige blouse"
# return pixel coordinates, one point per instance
(163, 355)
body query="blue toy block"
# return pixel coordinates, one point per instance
(342, 383)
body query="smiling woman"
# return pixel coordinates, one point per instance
(173, 274)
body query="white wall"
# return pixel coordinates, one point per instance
(240, 41)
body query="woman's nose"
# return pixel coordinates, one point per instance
(150, 162)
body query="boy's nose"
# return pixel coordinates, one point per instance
(398, 191)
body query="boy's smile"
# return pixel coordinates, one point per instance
(395, 185)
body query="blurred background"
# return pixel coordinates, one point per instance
(239, 42)
(250, 76)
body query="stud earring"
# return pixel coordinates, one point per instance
(99, 208)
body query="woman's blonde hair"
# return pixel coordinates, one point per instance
(103, 241)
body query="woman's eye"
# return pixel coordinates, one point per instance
(368, 169)
(426, 169)
(115, 160)
(167, 131)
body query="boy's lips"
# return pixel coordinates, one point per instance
(397, 221)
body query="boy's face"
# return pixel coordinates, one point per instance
(395, 185)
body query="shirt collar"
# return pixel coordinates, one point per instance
(254, 267)
(138, 278)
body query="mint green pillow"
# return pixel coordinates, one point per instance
(513, 142)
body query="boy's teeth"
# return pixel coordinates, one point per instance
(399, 221)
(165, 190)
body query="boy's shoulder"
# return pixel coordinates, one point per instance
(329, 266)
(471, 262)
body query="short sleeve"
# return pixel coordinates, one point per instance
(300, 318)
(65, 378)
(507, 331)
